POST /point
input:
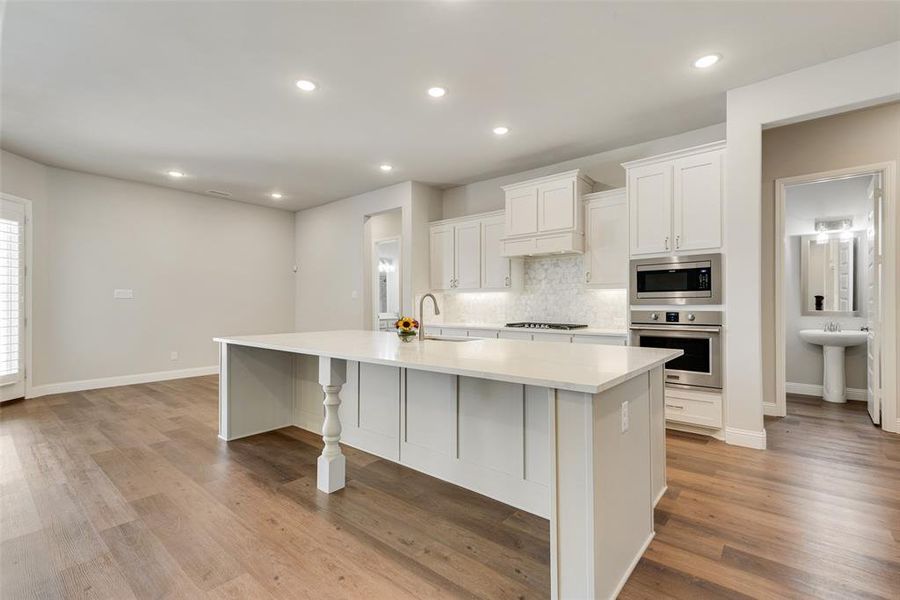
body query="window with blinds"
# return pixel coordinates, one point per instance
(10, 299)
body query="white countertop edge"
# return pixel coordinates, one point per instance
(496, 327)
(544, 383)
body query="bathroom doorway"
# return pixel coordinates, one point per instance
(832, 292)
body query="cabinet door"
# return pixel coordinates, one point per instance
(442, 257)
(521, 211)
(495, 268)
(697, 202)
(650, 205)
(468, 256)
(606, 259)
(556, 205)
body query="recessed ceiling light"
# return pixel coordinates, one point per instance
(175, 174)
(704, 62)
(306, 85)
(501, 130)
(276, 196)
(437, 92)
(386, 168)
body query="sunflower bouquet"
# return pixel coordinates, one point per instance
(407, 328)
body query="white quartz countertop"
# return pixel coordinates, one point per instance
(503, 327)
(577, 367)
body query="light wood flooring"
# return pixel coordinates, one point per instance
(128, 493)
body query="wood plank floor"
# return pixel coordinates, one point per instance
(128, 493)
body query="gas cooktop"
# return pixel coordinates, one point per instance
(533, 325)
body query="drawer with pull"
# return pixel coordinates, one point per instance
(694, 406)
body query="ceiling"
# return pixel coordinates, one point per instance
(134, 89)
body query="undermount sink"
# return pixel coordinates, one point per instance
(833, 338)
(834, 388)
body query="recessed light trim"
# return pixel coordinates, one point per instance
(276, 195)
(501, 130)
(306, 85)
(386, 168)
(705, 62)
(175, 174)
(437, 92)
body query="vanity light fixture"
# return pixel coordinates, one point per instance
(175, 174)
(501, 130)
(705, 62)
(437, 92)
(306, 85)
(386, 168)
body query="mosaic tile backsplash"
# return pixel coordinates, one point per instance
(553, 291)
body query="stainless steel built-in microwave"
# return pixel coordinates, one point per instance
(677, 280)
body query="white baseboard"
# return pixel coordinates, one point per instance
(746, 438)
(634, 563)
(105, 382)
(809, 389)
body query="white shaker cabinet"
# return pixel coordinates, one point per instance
(544, 215)
(467, 254)
(697, 201)
(442, 245)
(650, 202)
(675, 201)
(498, 272)
(606, 239)
(456, 256)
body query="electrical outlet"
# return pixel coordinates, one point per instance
(123, 294)
(173, 355)
(625, 416)
(354, 294)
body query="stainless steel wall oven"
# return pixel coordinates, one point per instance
(698, 333)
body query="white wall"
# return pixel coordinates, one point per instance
(604, 168)
(199, 267)
(862, 79)
(330, 254)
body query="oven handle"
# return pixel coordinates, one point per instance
(676, 328)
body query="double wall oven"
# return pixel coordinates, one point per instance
(698, 333)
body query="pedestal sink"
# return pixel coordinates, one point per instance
(833, 344)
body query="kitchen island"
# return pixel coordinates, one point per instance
(573, 433)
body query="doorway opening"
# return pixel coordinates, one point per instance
(834, 297)
(383, 270)
(15, 294)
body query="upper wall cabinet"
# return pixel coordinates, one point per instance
(675, 201)
(466, 254)
(543, 216)
(606, 239)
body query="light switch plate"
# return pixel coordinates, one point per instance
(123, 294)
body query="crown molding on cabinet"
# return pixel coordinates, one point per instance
(550, 178)
(720, 145)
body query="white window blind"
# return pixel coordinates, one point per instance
(11, 293)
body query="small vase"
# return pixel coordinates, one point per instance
(406, 336)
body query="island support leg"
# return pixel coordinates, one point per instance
(331, 466)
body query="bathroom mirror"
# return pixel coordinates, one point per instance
(386, 282)
(829, 278)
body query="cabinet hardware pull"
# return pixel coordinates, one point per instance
(587, 276)
(678, 406)
(667, 242)
(507, 281)
(677, 241)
